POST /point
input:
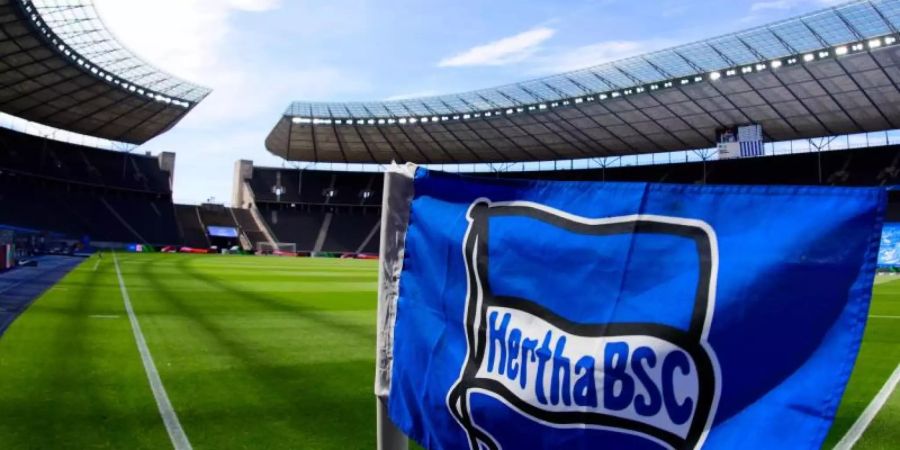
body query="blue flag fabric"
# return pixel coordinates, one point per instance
(577, 315)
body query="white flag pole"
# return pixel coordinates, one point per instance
(389, 437)
(395, 206)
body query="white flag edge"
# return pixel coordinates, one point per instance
(395, 209)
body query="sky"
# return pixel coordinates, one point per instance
(259, 55)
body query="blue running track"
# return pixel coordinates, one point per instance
(21, 286)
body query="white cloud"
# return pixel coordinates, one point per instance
(195, 40)
(758, 9)
(596, 53)
(777, 4)
(199, 40)
(504, 51)
(255, 5)
(408, 95)
(180, 36)
(244, 96)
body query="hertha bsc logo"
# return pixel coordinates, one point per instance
(649, 379)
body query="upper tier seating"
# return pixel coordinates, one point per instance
(80, 191)
(249, 226)
(192, 232)
(47, 158)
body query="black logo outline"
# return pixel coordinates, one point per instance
(480, 298)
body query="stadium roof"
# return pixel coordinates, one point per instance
(61, 67)
(830, 72)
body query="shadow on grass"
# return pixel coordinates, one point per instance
(366, 332)
(60, 401)
(328, 405)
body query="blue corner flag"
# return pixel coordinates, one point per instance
(542, 315)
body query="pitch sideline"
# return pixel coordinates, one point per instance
(166, 411)
(868, 415)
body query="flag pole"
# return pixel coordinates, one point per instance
(389, 436)
(397, 196)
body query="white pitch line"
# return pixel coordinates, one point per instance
(875, 316)
(886, 279)
(170, 418)
(96, 264)
(868, 415)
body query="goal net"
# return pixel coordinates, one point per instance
(279, 248)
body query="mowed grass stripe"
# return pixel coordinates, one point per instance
(878, 357)
(255, 352)
(251, 368)
(262, 263)
(868, 415)
(884, 433)
(70, 381)
(167, 413)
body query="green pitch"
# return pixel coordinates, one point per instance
(254, 353)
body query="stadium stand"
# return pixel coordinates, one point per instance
(295, 226)
(348, 233)
(249, 227)
(318, 211)
(58, 160)
(192, 232)
(81, 191)
(296, 215)
(877, 166)
(61, 67)
(194, 223)
(216, 215)
(349, 220)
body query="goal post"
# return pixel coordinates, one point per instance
(278, 248)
